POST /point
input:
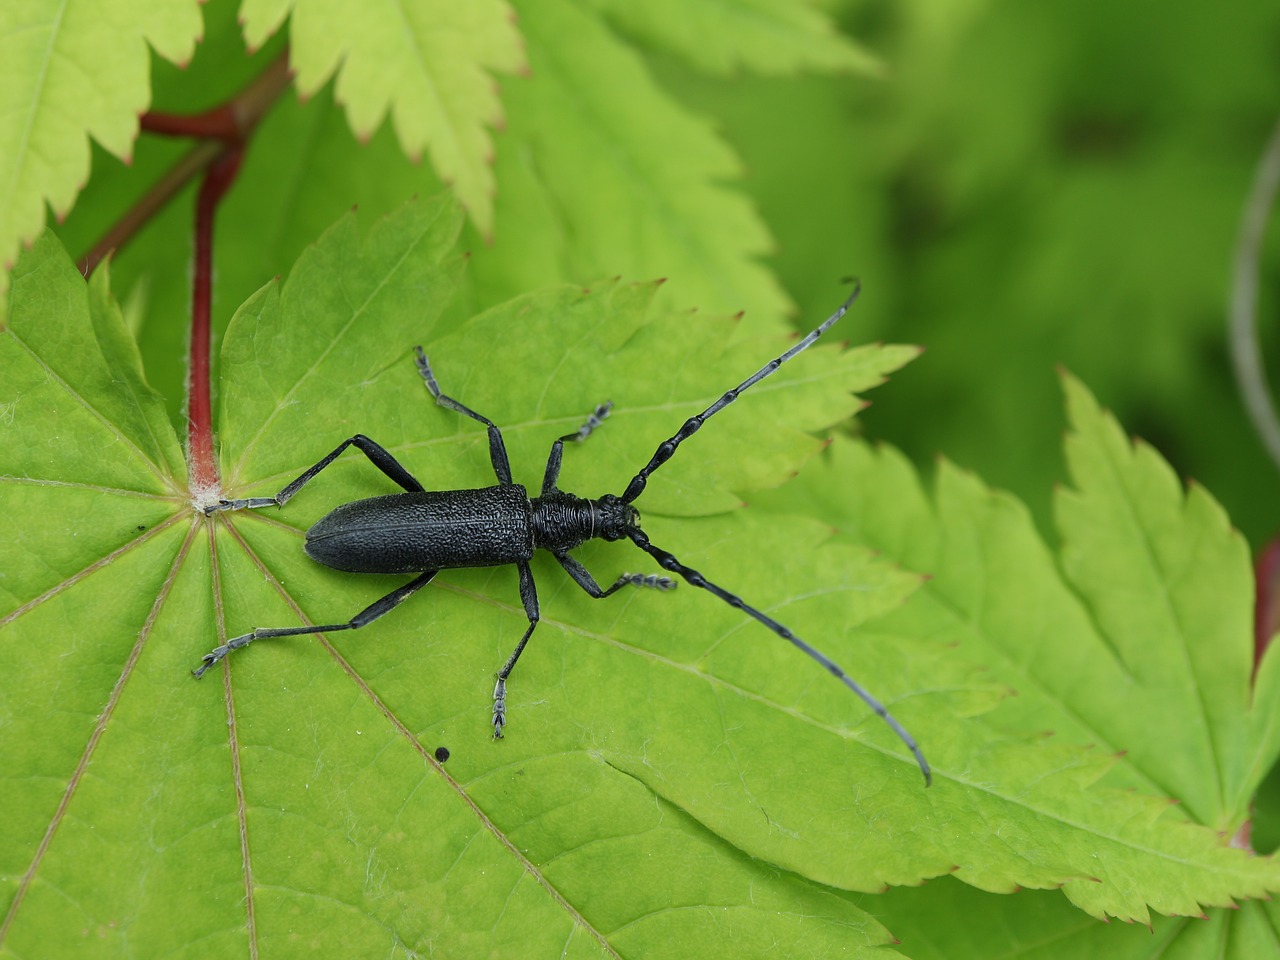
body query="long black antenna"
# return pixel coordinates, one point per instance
(668, 562)
(694, 423)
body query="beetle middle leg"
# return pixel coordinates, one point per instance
(362, 619)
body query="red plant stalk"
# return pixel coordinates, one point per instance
(221, 134)
(202, 464)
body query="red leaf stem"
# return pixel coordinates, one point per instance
(1266, 611)
(217, 130)
(202, 465)
(216, 124)
(221, 134)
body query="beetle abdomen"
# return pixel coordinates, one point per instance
(428, 530)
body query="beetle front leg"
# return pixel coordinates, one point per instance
(583, 578)
(557, 449)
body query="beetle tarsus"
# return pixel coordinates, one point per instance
(499, 708)
(653, 581)
(252, 503)
(218, 653)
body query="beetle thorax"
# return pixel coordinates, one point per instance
(562, 521)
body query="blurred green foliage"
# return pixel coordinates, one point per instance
(1032, 185)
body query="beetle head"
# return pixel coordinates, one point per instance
(615, 519)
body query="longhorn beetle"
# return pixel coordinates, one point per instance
(426, 531)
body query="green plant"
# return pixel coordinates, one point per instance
(676, 782)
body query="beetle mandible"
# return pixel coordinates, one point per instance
(425, 531)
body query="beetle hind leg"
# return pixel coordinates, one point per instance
(529, 597)
(365, 617)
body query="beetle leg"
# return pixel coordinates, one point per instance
(582, 577)
(557, 449)
(528, 596)
(376, 453)
(497, 449)
(361, 619)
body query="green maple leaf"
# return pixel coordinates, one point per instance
(147, 810)
(1149, 606)
(69, 72)
(1137, 642)
(427, 64)
(667, 763)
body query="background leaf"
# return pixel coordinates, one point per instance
(427, 64)
(595, 191)
(1118, 687)
(759, 35)
(1040, 925)
(69, 72)
(1025, 198)
(1150, 607)
(331, 751)
(608, 161)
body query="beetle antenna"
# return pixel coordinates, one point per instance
(694, 423)
(668, 562)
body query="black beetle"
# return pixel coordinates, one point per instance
(426, 531)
